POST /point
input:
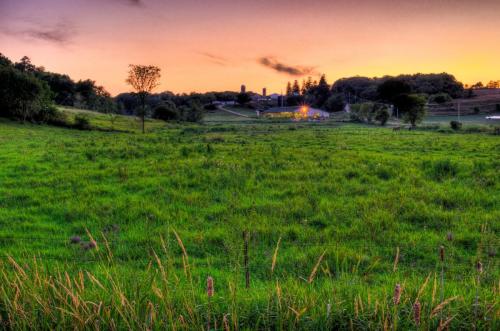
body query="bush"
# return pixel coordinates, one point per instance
(166, 112)
(53, 116)
(476, 110)
(82, 122)
(440, 98)
(191, 113)
(497, 108)
(455, 125)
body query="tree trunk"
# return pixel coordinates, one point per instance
(143, 101)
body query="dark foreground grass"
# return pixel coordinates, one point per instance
(337, 215)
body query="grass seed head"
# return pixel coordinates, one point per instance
(416, 312)
(479, 267)
(441, 253)
(397, 294)
(210, 287)
(75, 240)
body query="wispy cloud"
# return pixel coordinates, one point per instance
(137, 3)
(60, 33)
(292, 70)
(217, 59)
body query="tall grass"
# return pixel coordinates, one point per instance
(338, 216)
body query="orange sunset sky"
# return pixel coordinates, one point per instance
(221, 44)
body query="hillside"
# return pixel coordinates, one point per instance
(104, 122)
(486, 100)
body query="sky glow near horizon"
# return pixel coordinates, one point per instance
(221, 44)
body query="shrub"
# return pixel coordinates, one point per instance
(440, 98)
(192, 113)
(82, 122)
(166, 111)
(477, 110)
(455, 125)
(51, 115)
(497, 107)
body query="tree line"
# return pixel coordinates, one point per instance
(440, 87)
(28, 92)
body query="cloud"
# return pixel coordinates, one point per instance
(138, 3)
(214, 58)
(60, 33)
(292, 70)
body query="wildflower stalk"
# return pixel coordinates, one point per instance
(210, 294)
(396, 299)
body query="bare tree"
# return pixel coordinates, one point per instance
(143, 79)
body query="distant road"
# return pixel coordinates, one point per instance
(233, 112)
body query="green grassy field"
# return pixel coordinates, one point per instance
(337, 214)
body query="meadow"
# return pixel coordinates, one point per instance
(120, 230)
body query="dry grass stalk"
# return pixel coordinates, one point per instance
(275, 255)
(225, 323)
(92, 243)
(396, 260)
(424, 285)
(315, 269)
(298, 313)
(185, 257)
(444, 325)
(440, 307)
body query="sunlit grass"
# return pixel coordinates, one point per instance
(352, 193)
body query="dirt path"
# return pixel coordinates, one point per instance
(233, 112)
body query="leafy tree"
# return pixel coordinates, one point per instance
(393, 88)
(4, 61)
(413, 107)
(22, 95)
(319, 93)
(192, 112)
(382, 115)
(143, 79)
(478, 85)
(243, 99)
(335, 103)
(25, 65)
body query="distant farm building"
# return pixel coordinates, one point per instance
(297, 113)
